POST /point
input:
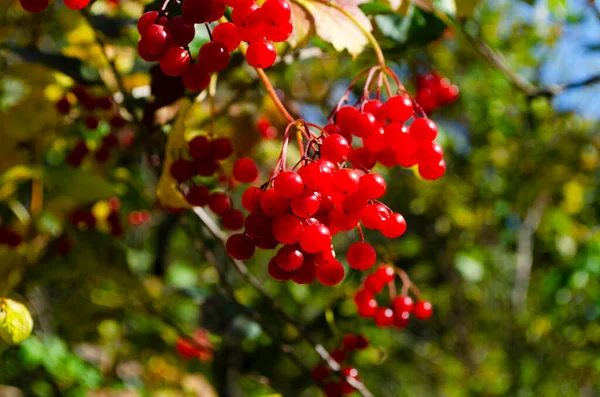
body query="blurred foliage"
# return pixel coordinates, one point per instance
(108, 315)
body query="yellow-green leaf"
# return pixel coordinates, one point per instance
(16, 323)
(333, 26)
(465, 8)
(166, 191)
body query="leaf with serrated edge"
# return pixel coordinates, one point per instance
(304, 26)
(336, 28)
(166, 191)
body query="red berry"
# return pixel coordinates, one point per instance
(206, 166)
(335, 148)
(362, 158)
(384, 317)
(361, 256)
(320, 372)
(63, 106)
(387, 157)
(214, 56)
(287, 229)
(249, 15)
(102, 154)
(331, 273)
(349, 372)
(199, 146)
(288, 184)
(333, 389)
(34, 5)
(196, 78)
(432, 171)
(372, 185)
(156, 39)
(394, 226)
(403, 304)
(423, 310)
(306, 274)
(277, 272)
(276, 12)
(91, 122)
(278, 33)
(183, 32)
(182, 170)
(221, 148)
(258, 225)
(306, 204)
(385, 274)
(272, 204)
(251, 199)
(430, 152)
(145, 55)
(317, 175)
(261, 54)
(245, 170)
(377, 109)
(399, 108)
(315, 238)
(423, 130)
(219, 203)
(374, 284)
(401, 319)
(76, 4)
(227, 33)
(350, 342)
(377, 141)
(240, 246)
(198, 196)
(366, 125)
(406, 151)
(202, 11)
(147, 19)
(345, 181)
(175, 61)
(232, 219)
(361, 342)
(373, 216)
(289, 258)
(367, 308)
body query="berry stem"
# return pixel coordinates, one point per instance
(368, 35)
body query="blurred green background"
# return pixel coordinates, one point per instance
(506, 245)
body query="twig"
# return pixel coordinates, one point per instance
(525, 251)
(216, 231)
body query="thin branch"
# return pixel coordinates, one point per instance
(216, 231)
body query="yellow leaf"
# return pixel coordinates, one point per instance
(167, 191)
(304, 26)
(336, 28)
(16, 323)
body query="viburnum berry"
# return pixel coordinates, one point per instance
(258, 225)
(76, 4)
(156, 39)
(372, 186)
(245, 170)
(206, 166)
(232, 219)
(91, 122)
(63, 106)
(246, 16)
(430, 152)
(278, 33)
(227, 34)
(199, 146)
(315, 238)
(221, 148)
(361, 256)
(276, 12)
(251, 199)
(403, 304)
(335, 148)
(362, 158)
(394, 226)
(261, 54)
(272, 204)
(377, 141)
(198, 196)
(345, 181)
(433, 170)
(377, 109)
(373, 216)
(306, 204)
(423, 130)
(401, 319)
(175, 61)
(346, 387)
(182, 170)
(219, 203)
(145, 55)
(196, 78)
(406, 151)
(34, 5)
(399, 108)
(320, 372)
(423, 310)
(330, 274)
(384, 317)
(287, 229)
(289, 258)
(240, 246)
(147, 19)
(277, 273)
(181, 30)
(214, 56)
(102, 154)
(288, 184)
(367, 307)
(306, 274)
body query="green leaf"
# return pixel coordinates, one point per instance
(78, 184)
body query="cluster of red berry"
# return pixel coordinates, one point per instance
(41, 5)
(401, 306)
(10, 238)
(334, 387)
(167, 39)
(95, 108)
(199, 346)
(435, 91)
(101, 155)
(205, 155)
(386, 139)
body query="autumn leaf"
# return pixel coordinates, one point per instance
(331, 25)
(167, 191)
(16, 323)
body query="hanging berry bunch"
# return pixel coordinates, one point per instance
(332, 189)
(435, 91)
(401, 308)
(334, 386)
(167, 39)
(10, 238)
